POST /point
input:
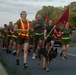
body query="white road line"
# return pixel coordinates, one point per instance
(71, 54)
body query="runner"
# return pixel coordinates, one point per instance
(22, 28)
(38, 27)
(31, 45)
(0, 36)
(9, 36)
(66, 31)
(14, 38)
(50, 39)
(4, 36)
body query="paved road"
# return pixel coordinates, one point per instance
(57, 67)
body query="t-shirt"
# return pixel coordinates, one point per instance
(49, 28)
(3, 31)
(40, 28)
(67, 32)
(10, 28)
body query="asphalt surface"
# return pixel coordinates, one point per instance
(57, 67)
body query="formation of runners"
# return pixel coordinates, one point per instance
(24, 36)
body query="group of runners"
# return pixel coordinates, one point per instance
(25, 35)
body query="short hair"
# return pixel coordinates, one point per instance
(10, 22)
(38, 15)
(22, 12)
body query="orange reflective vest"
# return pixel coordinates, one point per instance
(26, 27)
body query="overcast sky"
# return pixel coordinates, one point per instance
(10, 9)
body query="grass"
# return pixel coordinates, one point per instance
(13, 70)
(9, 70)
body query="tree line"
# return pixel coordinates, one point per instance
(55, 12)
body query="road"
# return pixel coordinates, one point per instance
(57, 67)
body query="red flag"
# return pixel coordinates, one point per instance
(47, 18)
(62, 19)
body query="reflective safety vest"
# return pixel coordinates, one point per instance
(26, 27)
(14, 36)
(39, 33)
(0, 34)
(65, 37)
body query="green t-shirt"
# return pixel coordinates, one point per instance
(3, 31)
(10, 28)
(49, 28)
(38, 29)
(67, 32)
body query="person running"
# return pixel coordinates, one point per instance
(4, 36)
(50, 39)
(14, 38)
(31, 46)
(38, 27)
(22, 28)
(0, 35)
(65, 41)
(9, 36)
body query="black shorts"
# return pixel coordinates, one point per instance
(38, 37)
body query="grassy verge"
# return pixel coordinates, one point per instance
(13, 69)
(9, 70)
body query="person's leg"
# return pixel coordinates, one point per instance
(0, 41)
(66, 51)
(40, 44)
(36, 39)
(30, 45)
(7, 44)
(25, 54)
(14, 47)
(52, 43)
(18, 53)
(63, 42)
(63, 50)
(34, 50)
(10, 45)
(48, 43)
(35, 43)
(4, 43)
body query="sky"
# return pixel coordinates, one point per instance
(10, 9)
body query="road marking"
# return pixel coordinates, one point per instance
(71, 54)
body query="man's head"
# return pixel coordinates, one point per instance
(10, 23)
(39, 17)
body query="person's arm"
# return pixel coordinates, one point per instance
(72, 31)
(61, 31)
(45, 31)
(17, 29)
(35, 24)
